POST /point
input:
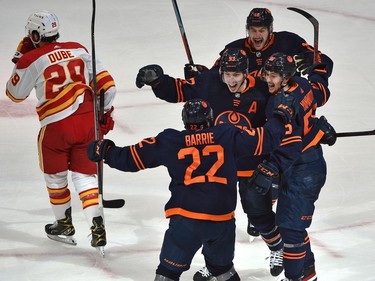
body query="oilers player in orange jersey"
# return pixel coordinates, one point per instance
(300, 185)
(201, 162)
(61, 73)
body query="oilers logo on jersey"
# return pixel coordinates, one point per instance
(232, 117)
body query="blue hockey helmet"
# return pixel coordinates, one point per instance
(234, 60)
(260, 17)
(280, 63)
(197, 114)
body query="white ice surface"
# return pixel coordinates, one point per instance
(131, 34)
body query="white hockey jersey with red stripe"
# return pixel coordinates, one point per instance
(60, 73)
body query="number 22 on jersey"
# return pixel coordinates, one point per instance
(196, 156)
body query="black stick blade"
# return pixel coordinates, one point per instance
(355, 134)
(311, 18)
(113, 204)
(315, 24)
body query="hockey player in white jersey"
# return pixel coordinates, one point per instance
(61, 73)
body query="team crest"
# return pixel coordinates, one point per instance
(235, 118)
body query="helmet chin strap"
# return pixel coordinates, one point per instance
(284, 84)
(36, 45)
(35, 38)
(239, 88)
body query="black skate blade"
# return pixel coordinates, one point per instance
(70, 240)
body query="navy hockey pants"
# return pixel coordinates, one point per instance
(185, 236)
(299, 190)
(258, 207)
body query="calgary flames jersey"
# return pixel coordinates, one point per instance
(60, 73)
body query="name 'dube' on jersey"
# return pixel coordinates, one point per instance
(60, 55)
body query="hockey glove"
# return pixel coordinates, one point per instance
(106, 121)
(263, 177)
(329, 136)
(149, 75)
(24, 46)
(193, 70)
(304, 61)
(319, 68)
(98, 150)
(285, 108)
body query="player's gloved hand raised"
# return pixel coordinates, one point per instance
(319, 68)
(24, 46)
(106, 121)
(149, 75)
(98, 150)
(305, 60)
(193, 70)
(285, 107)
(329, 136)
(263, 176)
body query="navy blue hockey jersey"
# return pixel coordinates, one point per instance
(244, 110)
(201, 165)
(285, 42)
(309, 94)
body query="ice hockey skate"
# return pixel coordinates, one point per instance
(252, 231)
(309, 273)
(62, 230)
(202, 275)
(98, 235)
(276, 262)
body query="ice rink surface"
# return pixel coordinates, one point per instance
(131, 34)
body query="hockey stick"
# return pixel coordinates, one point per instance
(182, 31)
(355, 134)
(315, 24)
(116, 203)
